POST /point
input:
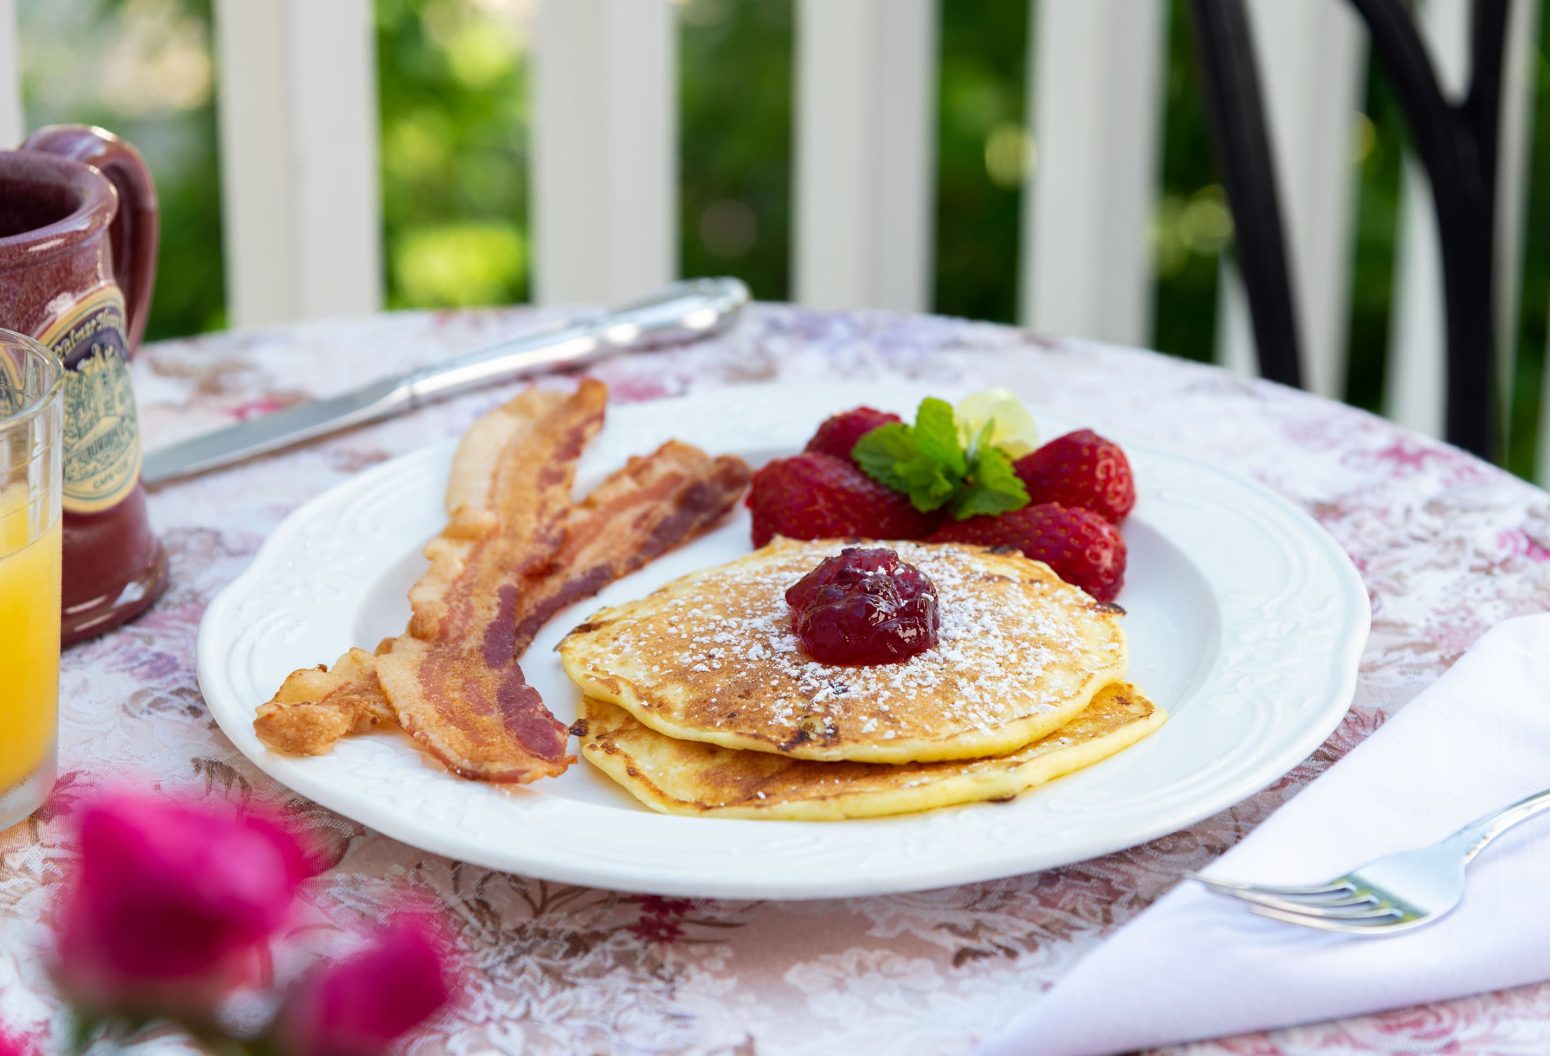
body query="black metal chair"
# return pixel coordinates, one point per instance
(1457, 145)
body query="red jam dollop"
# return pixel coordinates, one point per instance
(864, 607)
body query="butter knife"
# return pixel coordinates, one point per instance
(681, 311)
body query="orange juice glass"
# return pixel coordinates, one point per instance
(30, 459)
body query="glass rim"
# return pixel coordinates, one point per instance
(54, 372)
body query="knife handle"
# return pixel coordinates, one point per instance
(680, 311)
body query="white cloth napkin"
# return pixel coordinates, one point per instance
(1196, 965)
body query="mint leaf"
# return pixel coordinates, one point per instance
(936, 435)
(927, 462)
(928, 485)
(883, 453)
(993, 486)
(924, 460)
(981, 439)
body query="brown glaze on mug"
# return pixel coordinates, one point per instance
(78, 231)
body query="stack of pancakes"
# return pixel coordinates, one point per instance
(699, 700)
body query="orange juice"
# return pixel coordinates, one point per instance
(29, 640)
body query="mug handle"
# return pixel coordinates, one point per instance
(133, 235)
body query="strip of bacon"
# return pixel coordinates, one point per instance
(507, 499)
(644, 509)
(648, 507)
(453, 680)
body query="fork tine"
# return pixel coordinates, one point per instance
(1375, 920)
(1342, 901)
(1372, 908)
(1233, 887)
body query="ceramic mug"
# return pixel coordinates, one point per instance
(78, 232)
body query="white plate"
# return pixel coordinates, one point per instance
(1245, 621)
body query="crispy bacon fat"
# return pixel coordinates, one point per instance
(514, 553)
(318, 705)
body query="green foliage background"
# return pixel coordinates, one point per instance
(452, 86)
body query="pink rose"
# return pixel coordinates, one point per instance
(171, 903)
(362, 1004)
(14, 1045)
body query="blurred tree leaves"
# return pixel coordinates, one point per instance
(1379, 151)
(1526, 406)
(1187, 240)
(982, 156)
(735, 93)
(452, 99)
(142, 68)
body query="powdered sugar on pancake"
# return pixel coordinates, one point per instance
(716, 653)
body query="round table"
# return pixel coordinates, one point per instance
(1446, 544)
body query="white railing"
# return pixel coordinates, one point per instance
(302, 217)
(605, 149)
(865, 153)
(11, 122)
(1096, 108)
(298, 139)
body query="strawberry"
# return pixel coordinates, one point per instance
(815, 496)
(1080, 469)
(838, 434)
(1082, 548)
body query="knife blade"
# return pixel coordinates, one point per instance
(681, 311)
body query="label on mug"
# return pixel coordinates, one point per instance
(102, 428)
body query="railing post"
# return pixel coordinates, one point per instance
(12, 123)
(298, 135)
(865, 153)
(1096, 108)
(605, 149)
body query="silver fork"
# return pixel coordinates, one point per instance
(1394, 893)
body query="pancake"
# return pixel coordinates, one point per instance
(711, 657)
(688, 777)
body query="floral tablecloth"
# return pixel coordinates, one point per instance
(1446, 544)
